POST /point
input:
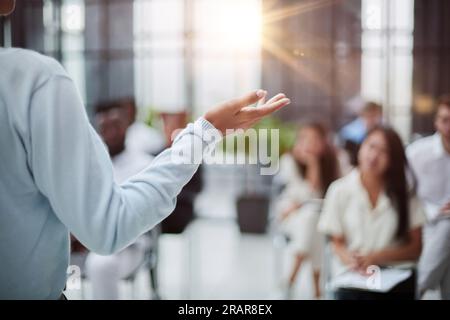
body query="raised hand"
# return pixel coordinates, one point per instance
(240, 114)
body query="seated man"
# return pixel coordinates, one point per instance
(105, 272)
(430, 159)
(140, 136)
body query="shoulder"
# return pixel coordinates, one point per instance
(346, 183)
(345, 190)
(419, 146)
(30, 67)
(354, 128)
(288, 169)
(287, 161)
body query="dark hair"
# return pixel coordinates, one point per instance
(396, 181)
(444, 101)
(372, 107)
(329, 168)
(105, 106)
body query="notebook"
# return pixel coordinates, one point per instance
(380, 280)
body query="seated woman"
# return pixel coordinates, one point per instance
(308, 171)
(372, 217)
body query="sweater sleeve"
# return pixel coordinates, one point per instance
(72, 169)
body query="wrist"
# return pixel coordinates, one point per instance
(209, 117)
(205, 123)
(209, 134)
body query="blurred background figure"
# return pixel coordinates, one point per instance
(373, 217)
(307, 171)
(430, 159)
(173, 121)
(114, 119)
(354, 133)
(140, 136)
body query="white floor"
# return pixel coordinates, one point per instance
(213, 260)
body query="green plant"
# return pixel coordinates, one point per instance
(286, 131)
(152, 117)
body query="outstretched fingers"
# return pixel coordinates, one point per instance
(274, 104)
(247, 100)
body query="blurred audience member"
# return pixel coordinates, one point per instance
(140, 136)
(308, 171)
(354, 133)
(105, 272)
(430, 160)
(372, 216)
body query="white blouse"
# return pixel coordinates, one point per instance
(297, 188)
(348, 212)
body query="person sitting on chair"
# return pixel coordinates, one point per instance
(105, 272)
(430, 160)
(309, 169)
(372, 217)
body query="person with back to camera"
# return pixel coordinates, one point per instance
(56, 174)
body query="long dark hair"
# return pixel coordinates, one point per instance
(396, 178)
(329, 167)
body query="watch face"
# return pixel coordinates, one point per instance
(7, 6)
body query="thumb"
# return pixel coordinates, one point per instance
(248, 99)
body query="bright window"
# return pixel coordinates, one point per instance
(387, 61)
(192, 54)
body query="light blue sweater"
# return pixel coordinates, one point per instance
(56, 176)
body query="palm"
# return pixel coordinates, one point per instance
(240, 114)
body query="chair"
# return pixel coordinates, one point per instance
(149, 262)
(280, 243)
